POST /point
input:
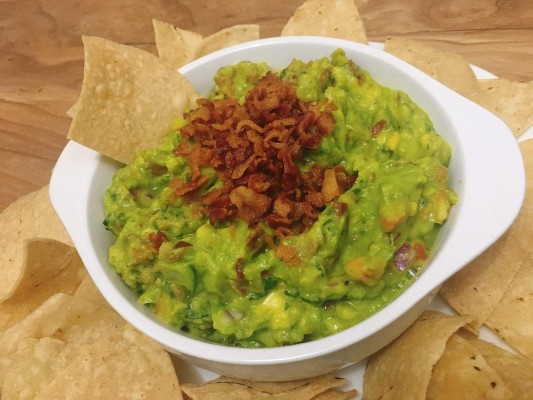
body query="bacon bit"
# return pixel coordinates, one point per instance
(250, 205)
(283, 207)
(254, 148)
(241, 169)
(378, 127)
(180, 187)
(202, 113)
(157, 239)
(316, 199)
(251, 124)
(239, 269)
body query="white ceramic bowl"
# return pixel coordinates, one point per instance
(486, 171)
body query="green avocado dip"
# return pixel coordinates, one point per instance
(204, 279)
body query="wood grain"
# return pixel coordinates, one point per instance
(41, 57)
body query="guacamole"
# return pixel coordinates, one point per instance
(204, 279)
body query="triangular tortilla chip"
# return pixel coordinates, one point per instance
(177, 47)
(61, 317)
(228, 388)
(402, 370)
(515, 370)
(125, 365)
(128, 99)
(72, 348)
(28, 217)
(333, 18)
(510, 101)
(477, 288)
(463, 373)
(88, 291)
(35, 363)
(512, 318)
(450, 69)
(48, 267)
(229, 37)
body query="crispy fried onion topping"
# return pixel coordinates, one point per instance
(254, 148)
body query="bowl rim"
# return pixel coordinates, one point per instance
(70, 204)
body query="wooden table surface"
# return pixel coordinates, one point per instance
(41, 55)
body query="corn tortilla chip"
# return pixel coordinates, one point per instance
(35, 364)
(402, 370)
(28, 217)
(48, 267)
(128, 99)
(450, 69)
(510, 101)
(477, 288)
(334, 18)
(275, 387)
(65, 318)
(230, 388)
(462, 372)
(123, 367)
(512, 318)
(69, 345)
(88, 291)
(61, 317)
(177, 47)
(332, 394)
(229, 37)
(515, 370)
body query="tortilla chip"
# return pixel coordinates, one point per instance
(48, 267)
(28, 217)
(128, 99)
(35, 364)
(462, 372)
(450, 69)
(177, 47)
(61, 317)
(334, 18)
(65, 318)
(477, 288)
(84, 357)
(403, 369)
(510, 101)
(515, 370)
(81, 349)
(512, 318)
(333, 394)
(88, 291)
(123, 367)
(230, 388)
(229, 37)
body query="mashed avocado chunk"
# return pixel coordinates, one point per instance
(218, 282)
